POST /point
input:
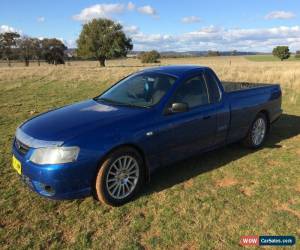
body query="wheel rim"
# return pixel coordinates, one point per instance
(258, 131)
(122, 177)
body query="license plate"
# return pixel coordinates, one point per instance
(16, 165)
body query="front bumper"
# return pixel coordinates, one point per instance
(61, 181)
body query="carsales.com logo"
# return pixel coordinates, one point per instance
(255, 240)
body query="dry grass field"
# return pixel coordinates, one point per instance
(206, 202)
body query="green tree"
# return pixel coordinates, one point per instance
(53, 51)
(38, 49)
(149, 57)
(26, 48)
(103, 39)
(8, 42)
(282, 52)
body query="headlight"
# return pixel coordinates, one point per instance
(54, 155)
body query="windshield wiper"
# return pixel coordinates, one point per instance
(118, 103)
(108, 101)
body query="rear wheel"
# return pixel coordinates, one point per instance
(120, 177)
(257, 132)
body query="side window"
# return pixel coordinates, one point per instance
(213, 86)
(194, 92)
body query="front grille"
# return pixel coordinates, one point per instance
(21, 147)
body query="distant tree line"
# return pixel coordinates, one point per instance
(213, 53)
(13, 46)
(100, 39)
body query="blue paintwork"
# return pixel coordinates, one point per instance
(98, 128)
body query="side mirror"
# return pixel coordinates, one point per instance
(178, 107)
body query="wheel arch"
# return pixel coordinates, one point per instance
(247, 139)
(135, 147)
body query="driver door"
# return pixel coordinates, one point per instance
(186, 133)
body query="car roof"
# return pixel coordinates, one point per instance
(175, 70)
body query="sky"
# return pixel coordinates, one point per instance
(165, 25)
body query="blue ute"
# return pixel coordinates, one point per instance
(109, 145)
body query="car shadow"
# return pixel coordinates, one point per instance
(286, 127)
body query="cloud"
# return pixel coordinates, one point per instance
(99, 10)
(148, 10)
(280, 15)
(108, 10)
(190, 19)
(41, 19)
(218, 38)
(70, 43)
(131, 29)
(6, 28)
(130, 6)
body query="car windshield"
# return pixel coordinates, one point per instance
(140, 90)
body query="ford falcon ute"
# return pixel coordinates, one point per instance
(110, 145)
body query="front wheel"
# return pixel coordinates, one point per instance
(257, 132)
(120, 177)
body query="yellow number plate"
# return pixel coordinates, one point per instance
(16, 164)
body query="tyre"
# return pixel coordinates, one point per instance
(257, 133)
(120, 177)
